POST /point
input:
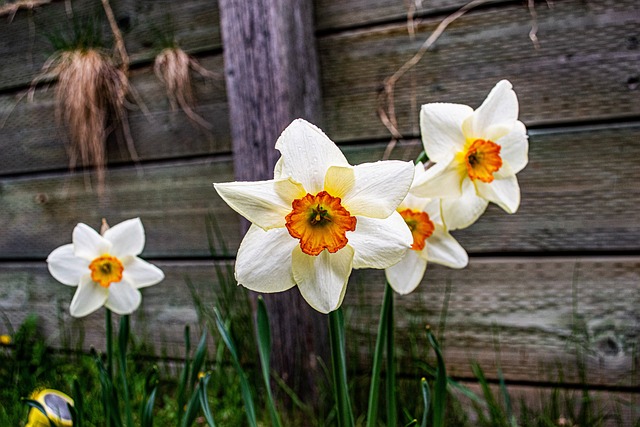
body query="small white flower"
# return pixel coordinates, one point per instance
(106, 269)
(318, 218)
(476, 154)
(431, 241)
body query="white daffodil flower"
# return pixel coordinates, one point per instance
(477, 155)
(431, 242)
(318, 218)
(106, 269)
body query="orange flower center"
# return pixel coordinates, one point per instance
(483, 159)
(320, 222)
(105, 270)
(420, 225)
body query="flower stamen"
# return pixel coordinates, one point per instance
(105, 270)
(420, 225)
(320, 222)
(482, 159)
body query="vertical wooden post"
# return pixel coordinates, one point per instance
(271, 73)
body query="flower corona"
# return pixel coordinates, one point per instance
(320, 222)
(482, 159)
(420, 225)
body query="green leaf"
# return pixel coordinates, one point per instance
(198, 359)
(244, 383)
(440, 387)
(204, 401)
(381, 339)
(264, 349)
(424, 386)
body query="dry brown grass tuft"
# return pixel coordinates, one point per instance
(91, 94)
(173, 67)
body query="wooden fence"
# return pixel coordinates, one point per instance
(563, 273)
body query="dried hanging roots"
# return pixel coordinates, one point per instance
(172, 66)
(90, 94)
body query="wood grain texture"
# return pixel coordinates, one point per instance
(579, 193)
(540, 310)
(586, 67)
(24, 45)
(336, 15)
(32, 141)
(272, 78)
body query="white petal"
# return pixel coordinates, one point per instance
(500, 108)
(123, 298)
(89, 297)
(141, 273)
(465, 210)
(515, 147)
(88, 244)
(407, 274)
(505, 192)
(264, 203)
(441, 129)
(379, 243)
(443, 248)
(322, 279)
(127, 238)
(65, 267)
(307, 153)
(443, 179)
(263, 263)
(370, 189)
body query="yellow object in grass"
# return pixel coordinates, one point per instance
(56, 404)
(5, 339)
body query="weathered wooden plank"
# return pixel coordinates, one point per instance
(579, 193)
(586, 67)
(335, 15)
(24, 45)
(272, 77)
(538, 309)
(31, 140)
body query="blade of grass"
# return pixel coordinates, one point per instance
(424, 387)
(204, 401)
(264, 349)
(184, 377)
(440, 386)
(244, 383)
(374, 388)
(339, 368)
(495, 411)
(198, 360)
(150, 390)
(78, 402)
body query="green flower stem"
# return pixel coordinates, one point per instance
(372, 410)
(339, 368)
(392, 410)
(123, 340)
(109, 338)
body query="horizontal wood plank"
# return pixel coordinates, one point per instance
(336, 15)
(579, 193)
(585, 69)
(32, 141)
(24, 44)
(539, 310)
